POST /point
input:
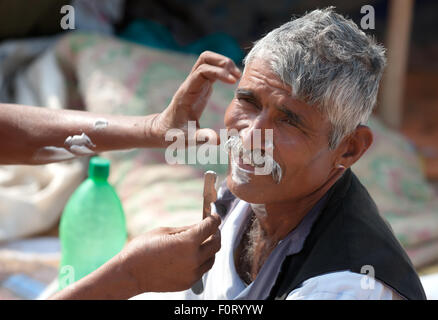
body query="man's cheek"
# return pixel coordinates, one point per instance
(232, 114)
(313, 174)
(237, 117)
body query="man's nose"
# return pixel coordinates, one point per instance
(254, 136)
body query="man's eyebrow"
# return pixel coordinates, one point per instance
(242, 92)
(292, 115)
(246, 93)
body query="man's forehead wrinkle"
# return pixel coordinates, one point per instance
(263, 94)
(276, 99)
(269, 89)
(259, 71)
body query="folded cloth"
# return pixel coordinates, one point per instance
(33, 197)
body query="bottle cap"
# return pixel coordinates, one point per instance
(99, 168)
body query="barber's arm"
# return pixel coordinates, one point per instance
(167, 259)
(33, 135)
(164, 259)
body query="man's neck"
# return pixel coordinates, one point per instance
(278, 219)
(262, 234)
(252, 250)
(272, 222)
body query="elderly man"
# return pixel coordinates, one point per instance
(307, 230)
(311, 230)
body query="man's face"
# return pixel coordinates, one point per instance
(300, 138)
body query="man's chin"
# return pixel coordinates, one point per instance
(251, 191)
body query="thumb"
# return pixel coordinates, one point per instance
(202, 230)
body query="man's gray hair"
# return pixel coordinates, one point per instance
(330, 63)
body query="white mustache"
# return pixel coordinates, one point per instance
(264, 164)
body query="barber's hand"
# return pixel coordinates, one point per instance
(189, 101)
(172, 259)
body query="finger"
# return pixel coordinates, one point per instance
(211, 73)
(210, 247)
(201, 231)
(201, 102)
(175, 230)
(198, 86)
(216, 59)
(203, 268)
(208, 136)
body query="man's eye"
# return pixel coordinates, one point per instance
(248, 101)
(289, 122)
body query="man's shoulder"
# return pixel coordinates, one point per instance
(350, 234)
(343, 285)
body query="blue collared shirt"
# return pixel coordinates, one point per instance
(291, 244)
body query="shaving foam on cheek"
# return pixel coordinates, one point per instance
(238, 174)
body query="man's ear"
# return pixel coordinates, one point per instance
(354, 146)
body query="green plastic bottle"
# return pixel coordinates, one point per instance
(93, 227)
